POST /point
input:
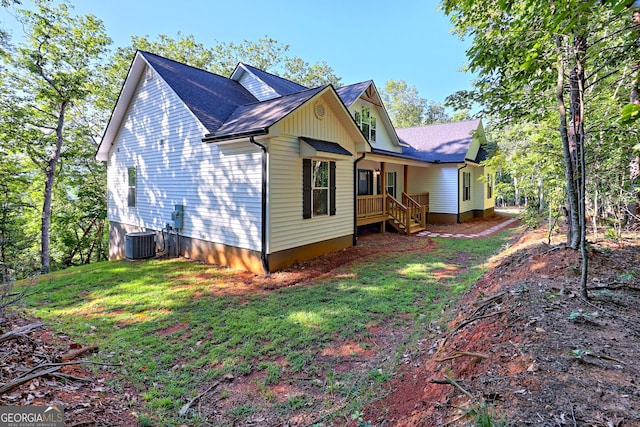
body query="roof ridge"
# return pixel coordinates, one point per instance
(144, 52)
(269, 72)
(440, 124)
(318, 88)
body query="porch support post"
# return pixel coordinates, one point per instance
(383, 190)
(406, 179)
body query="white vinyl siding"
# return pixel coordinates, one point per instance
(287, 227)
(441, 181)
(220, 187)
(257, 87)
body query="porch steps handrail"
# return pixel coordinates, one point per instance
(399, 213)
(417, 211)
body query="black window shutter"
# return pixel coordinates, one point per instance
(332, 188)
(306, 188)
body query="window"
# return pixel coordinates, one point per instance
(131, 175)
(365, 182)
(391, 183)
(318, 187)
(366, 122)
(489, 186)
(466, 186)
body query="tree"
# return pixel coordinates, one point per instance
(406, 108)
(319, 74)
(403, 103)
(536, 56)
(222, 58)
(54, 70)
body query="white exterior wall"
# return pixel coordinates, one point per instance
(220, 187)
(287, 228)
(441, 182)
(383, 139)
(257, 87)
(399, 169)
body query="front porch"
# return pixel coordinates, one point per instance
(408, 216)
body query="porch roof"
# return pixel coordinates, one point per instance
(440, 143)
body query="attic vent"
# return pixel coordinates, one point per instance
(149, 74)
(318, 110)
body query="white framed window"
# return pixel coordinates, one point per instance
(131, 185)
(391, 183)
(466, 186)
(489, 185)
(319, 188)
(366, 122)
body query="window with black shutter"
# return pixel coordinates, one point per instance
(318, 188)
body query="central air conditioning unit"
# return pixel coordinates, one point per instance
(140, 245)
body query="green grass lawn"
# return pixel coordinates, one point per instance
(176, 326)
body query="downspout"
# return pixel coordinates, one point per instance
(355, 199)
(263, 250)
(458, 192)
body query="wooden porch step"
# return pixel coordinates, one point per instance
(414, 227)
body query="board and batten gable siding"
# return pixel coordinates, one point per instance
(383, 139)
(287, 228)
(219, 188)
(441, 182)
(257, 87)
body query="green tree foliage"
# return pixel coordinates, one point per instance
(54, 69)
(222, 58)
(310, 76)
(540, 59)
(406, 108)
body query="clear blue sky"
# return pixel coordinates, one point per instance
(376, 39)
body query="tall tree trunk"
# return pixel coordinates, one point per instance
(577, 140)
(573, 230)
(634, 165)
(50, 172)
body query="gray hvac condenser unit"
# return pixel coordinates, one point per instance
(140, 245)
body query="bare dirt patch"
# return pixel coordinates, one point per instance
(545, 356)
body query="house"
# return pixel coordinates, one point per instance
(254, 171)
(459, 186)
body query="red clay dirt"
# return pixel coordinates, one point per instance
(527, 348)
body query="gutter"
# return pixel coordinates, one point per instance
(458, 213)
(263, 250)
(210, 137)
(355, 198)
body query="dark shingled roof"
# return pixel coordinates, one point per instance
(444, 142)
(261, 115)
(349, 94)
(223, 105)
(326, 146)
(212, 98)
(279, 84)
